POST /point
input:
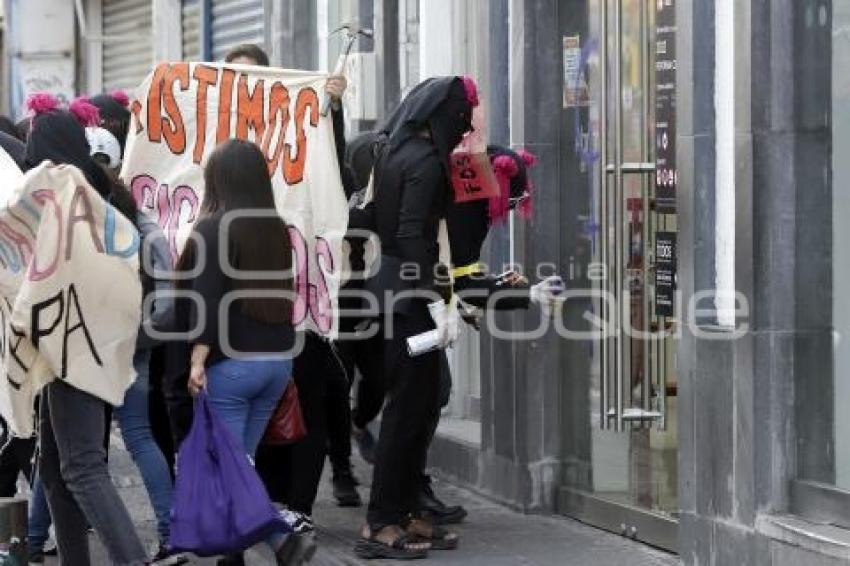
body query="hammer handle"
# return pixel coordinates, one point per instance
(340, 67)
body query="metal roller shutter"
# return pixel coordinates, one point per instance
(191, 26)
(234, 22)
(128, 51)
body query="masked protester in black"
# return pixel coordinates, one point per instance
(411, 196)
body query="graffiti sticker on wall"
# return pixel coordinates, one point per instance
(575, 85)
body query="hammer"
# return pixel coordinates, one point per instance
(351, 32)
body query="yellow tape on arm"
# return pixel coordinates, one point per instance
(467, 270)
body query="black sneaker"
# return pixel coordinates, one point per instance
(299, 523)
(345, 489)
(167, 556)
(365, 443)
(439, 512)
(35, 556)
(231, 560)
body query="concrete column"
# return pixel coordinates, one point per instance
(293, 34)
(93, 50)
(386, 55)
(167, 33)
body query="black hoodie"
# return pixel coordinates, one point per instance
(412, 184)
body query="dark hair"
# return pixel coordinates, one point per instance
(249, 50)
(7, 126)
(114, 116)
(59, 137)
(237, 178)
(23, 129)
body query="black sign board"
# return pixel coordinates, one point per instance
(665, 107)
(665, 273)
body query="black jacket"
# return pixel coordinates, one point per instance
(412, 193)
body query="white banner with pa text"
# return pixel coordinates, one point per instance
(70, 295)
(183, 110)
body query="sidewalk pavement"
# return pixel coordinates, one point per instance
(492, 535)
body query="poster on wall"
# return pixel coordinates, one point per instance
(666, 177)
(576, 93)
(665, 273)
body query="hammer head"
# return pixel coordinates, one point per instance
(352, 29)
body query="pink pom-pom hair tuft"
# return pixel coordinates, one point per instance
(505, 168)
(471, 90)
(121, 98)
(85, 112)
(42, 103)
(528, 158)
(526, 206)
(505, 165)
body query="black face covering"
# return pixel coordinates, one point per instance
(58, 136)
(450, 121)
(359, 157)
(437, 105)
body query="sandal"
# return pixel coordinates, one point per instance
(403, 547)
(439, 537)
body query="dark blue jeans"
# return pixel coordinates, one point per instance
(134, 419)
(38, 528)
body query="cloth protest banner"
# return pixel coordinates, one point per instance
(183, 110)
(70, 294)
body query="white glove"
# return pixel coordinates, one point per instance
(547, 292)
(447, 320)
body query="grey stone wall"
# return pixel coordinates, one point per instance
(741, 440)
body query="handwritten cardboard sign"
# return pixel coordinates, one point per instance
(472, 176)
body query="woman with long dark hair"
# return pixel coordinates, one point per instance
(242, 274)
(73, 423)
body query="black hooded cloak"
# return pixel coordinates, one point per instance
(412, 184)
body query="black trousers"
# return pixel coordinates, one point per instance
(338, 413)
(366, 357)
(292, 473)
(159, 417)
(16, 458)
(411, 409)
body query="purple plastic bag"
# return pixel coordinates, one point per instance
(220, 503)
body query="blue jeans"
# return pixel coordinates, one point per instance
(245, 393)
(38, 522)
(134, 419)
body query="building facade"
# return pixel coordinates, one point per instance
(690, 189)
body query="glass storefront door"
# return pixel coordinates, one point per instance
(633, 454)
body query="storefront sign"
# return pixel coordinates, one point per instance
(666, 177)
(665, 273)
